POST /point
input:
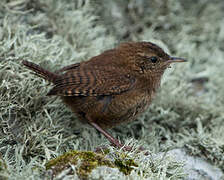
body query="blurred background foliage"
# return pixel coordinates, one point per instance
(187, 113)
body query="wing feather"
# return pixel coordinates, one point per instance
(93, 81)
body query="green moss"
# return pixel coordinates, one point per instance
(125, 166)
(88, 161)
(106, 151)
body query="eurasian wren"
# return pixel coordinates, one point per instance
(113, 87)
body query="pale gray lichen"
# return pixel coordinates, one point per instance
(187, 112)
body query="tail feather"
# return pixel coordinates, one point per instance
(52, 77)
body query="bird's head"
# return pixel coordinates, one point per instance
(148, 58)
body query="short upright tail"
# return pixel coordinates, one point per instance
(41, 71)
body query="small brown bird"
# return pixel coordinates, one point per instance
(113, 87)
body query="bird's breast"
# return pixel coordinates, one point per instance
(109, 111)
(123, 108)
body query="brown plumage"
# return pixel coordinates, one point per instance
(113, 87)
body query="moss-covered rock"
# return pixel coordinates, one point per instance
(85, 161)
(125, 166)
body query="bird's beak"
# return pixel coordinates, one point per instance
(176, 59)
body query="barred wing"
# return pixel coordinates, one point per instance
(93, 81)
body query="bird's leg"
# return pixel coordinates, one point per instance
(114, 141)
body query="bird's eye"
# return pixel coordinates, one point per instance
(153, 59)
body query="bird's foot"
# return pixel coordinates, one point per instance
(104, 149)
(116, 143)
